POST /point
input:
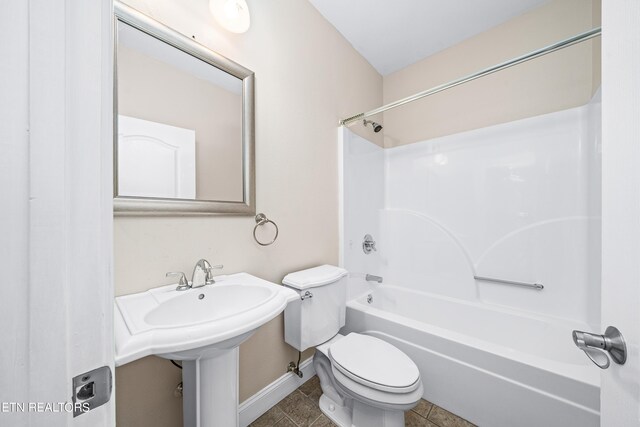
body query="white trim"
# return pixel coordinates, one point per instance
(269, 396)
(619, 392)
(342, 136)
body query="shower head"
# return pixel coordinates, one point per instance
(377, 127)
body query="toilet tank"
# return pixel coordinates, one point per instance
(320, 312)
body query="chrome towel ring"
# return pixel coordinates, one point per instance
(261, 219)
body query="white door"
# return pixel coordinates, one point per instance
(155, 159)
(56, 295)
(620, 394)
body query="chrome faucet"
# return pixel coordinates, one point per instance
(372, 278)
(202, 274)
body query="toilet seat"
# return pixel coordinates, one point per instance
(377, 398)
(374, 363)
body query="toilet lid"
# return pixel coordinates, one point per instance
(375, 363)
(313, 277)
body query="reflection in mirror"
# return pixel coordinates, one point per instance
(183, 135)
(179, 123)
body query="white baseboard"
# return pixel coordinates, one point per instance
(266, 398)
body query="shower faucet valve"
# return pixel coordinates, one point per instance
(368, 245)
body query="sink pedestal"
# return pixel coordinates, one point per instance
(202, 327)
(210, 389)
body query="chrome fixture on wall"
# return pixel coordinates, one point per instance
(295, 367)
(377, 127)
(536, 286)
(372, 278)
(179, 390)
(261, 219)
(368, 245)
(599, 348)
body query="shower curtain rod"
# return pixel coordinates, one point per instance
(510, 63)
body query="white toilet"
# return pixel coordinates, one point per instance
(366, 382)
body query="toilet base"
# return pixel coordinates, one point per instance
(361, 415)
(340, 415)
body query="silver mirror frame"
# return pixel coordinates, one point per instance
(125, 205)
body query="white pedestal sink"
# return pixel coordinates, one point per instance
(203, 327)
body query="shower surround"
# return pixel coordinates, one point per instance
(516, 201)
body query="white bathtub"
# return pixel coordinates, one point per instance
(491, 365)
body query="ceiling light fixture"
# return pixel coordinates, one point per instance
(233, 15)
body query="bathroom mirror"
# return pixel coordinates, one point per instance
(184, 124)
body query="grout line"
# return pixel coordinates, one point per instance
(317, 418)
(315, 405)
(291, 419)
(433, 405)
(429, 411)
(280, 419)
(419, 414)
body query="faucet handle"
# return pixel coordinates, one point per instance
(209, 269)
(599, 348)
(183, 283)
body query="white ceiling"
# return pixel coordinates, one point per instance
(392, 34)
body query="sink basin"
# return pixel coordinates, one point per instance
(203, 327)
(209, 304)
(166, 322)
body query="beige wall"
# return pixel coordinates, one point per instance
(560, 80)
(307, 77)
(153, 90)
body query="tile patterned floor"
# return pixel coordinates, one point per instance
(300, 409)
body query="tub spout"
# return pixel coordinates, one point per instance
(372, 278)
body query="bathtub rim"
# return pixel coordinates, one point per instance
(581, 373)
